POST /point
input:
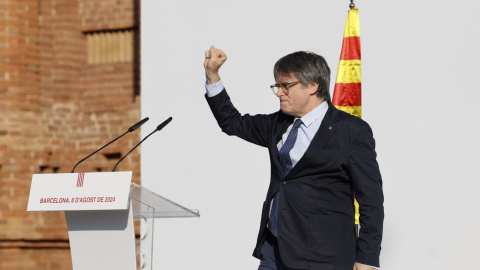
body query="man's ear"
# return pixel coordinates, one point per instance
(312, 88)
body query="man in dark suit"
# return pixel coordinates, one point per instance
(320, 157)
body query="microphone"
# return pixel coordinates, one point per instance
(159, 127)
(130, 129)
(137, 125)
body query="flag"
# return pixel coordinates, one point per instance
(347, 95)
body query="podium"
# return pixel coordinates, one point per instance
(100, 209)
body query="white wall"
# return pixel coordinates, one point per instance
(420, 95)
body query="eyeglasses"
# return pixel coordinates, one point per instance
(284, 86)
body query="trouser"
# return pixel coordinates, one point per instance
(270, 255)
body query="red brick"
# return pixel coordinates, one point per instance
(57, 109)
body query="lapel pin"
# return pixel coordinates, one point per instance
(330, 127)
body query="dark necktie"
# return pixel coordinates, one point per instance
(286, 162)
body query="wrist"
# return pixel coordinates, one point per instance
(212, 77)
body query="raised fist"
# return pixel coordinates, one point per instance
(214, 59)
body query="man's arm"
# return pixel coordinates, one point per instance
(255, 129)
(367, 184)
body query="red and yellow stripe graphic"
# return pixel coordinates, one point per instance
(347, 95)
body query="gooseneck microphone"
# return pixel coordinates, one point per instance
(130, 129)
(137, 125)
(159, 127)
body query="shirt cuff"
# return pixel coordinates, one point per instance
(214, 89)
(374, 267)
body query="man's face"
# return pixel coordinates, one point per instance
(300, 100)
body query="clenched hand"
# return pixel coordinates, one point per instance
(214, 59)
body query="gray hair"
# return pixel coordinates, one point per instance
(307, 67)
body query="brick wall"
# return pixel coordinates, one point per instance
(55, 109)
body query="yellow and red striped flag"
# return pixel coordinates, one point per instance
(347, 95)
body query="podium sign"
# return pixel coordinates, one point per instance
(80, 191)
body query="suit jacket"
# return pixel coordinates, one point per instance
(316, 212)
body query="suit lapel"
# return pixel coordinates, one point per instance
(325, 132)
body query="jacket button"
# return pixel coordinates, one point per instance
(284, 182)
